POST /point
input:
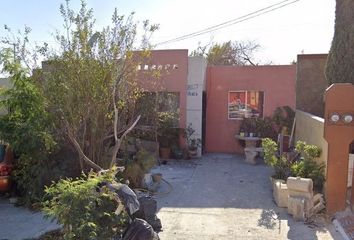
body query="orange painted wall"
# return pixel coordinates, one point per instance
(339, 99)
(276, 81)
(171, 80)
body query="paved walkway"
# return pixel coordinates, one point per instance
(221, 197)
(216, 197)
(17, 223)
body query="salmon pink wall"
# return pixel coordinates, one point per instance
(172, 77)
(277, 83)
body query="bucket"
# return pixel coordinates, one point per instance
(156, 177)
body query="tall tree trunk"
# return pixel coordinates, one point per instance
(340, 63)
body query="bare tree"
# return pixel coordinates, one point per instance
(229, 53)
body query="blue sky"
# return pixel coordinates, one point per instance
(305, 26)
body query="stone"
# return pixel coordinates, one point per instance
(280, 194)
(296, 207)
(302, 204)
(250, 154)
(300, 184)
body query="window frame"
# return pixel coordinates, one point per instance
(246, 98)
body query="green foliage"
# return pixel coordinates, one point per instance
(269, 127)
(279, 163)
(91, 82)
(340, 60)
(307, 151)
(283, 117)
(80, 83)
(137, 166)
(27, 127)
(146, 160)
(264, 127)
(193, 143)
(167, 129)
(307, 167)
(84, 213)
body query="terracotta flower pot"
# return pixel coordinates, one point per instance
(165, 153)
(193, 153)
(5, 183)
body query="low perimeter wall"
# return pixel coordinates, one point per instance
(309, 128)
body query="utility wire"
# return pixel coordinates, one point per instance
(232, 22)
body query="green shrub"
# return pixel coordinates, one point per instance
(307, 167)
(27, 127)
(279, 163)
(136, 167)
(84, 213)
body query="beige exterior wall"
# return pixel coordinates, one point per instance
(196, 85)
(309, 128)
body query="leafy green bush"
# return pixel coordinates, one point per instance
(307, 151)
(27, 127)
(168, 130)
(84, 213)
(136, 167)
(279, 163)
(307, 167)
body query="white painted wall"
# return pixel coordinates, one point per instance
(196, 85)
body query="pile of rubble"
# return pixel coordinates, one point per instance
(297, 195)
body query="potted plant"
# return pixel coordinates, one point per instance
(167, 132)
(306, 165)
(192, 142)
(282, 167)
(193, 147)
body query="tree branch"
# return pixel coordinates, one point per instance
(119, 141)
(79, 150)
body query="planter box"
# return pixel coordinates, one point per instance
(280, 194)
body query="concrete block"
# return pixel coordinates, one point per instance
(300, 184)
(296, 207)
(280, 194)
(318, 204)
(293, 193)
